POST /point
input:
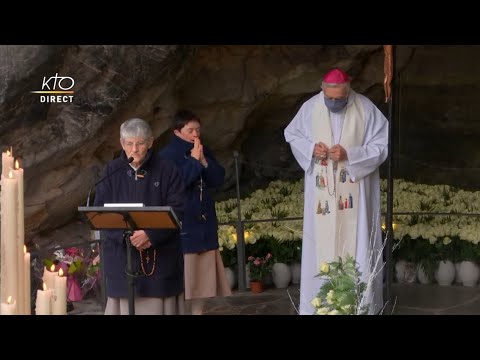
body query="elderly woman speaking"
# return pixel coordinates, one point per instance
(140, 176)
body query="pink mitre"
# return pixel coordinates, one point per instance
(336, 76)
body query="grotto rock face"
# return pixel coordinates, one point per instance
(63, 146)
(244, 95)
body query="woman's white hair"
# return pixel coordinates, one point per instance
(136, 128)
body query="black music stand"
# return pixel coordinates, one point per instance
(129, 219)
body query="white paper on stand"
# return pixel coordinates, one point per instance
(123, 205)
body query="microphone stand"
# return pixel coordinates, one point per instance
(129, 160)
(126, 236)
(130, 275)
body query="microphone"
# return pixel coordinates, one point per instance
(130, 159)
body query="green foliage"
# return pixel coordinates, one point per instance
(412, 219)
(405, 249)
(444, 249)
(287, 252)
(424, 255)
(286, 190)
(229, 256)
(48, 263)
(468, 251)
(230, 205)
(446, 194)
(343, 291)
(296, 253)
(261, 247)
(279, 214)
(75, 266)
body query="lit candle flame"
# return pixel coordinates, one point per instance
(246, 235)
(10, 174)
(9, 300)
(8, 153)
(17, 165)
(44, 287)
(60, 272)
(394, 226)
(24, 249)
(52, 268)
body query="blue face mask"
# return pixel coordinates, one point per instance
(336, 105)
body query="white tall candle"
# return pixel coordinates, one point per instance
(18, 174)
(9, 268)
(49, 277)
(60, 298)
(44, 297)
(27, 307)
(7, 163)
(9, 308)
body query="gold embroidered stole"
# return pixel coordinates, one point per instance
(336, 195)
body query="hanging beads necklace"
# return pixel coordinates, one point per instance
(147, 258)
(328, 182)
(334, 163)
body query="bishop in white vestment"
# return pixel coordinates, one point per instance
(340, 139)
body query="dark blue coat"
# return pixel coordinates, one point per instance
(199, 233)
(161, 185)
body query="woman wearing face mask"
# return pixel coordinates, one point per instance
(341, 137)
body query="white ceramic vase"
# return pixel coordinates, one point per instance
(422, 277)
(457, 272)
(281, 275)
(296, 271)
(405, 271)
(468, 273)
(445, 273)
(231, 278)
(247, 277)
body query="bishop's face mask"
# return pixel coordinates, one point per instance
(336, 105)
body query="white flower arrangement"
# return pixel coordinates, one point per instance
(343, 291)
(283, 199)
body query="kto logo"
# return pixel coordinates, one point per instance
(59, 85)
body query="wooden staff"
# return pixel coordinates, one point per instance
(388, 70)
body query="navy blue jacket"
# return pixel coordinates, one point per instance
(199, 233)
(161, 185)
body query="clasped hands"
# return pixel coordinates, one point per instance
(336, 152)
(197, 152)
(140, 240)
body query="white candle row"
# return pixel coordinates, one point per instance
(9, 272)
(15, 269)
(9, 308)
(52, 300)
